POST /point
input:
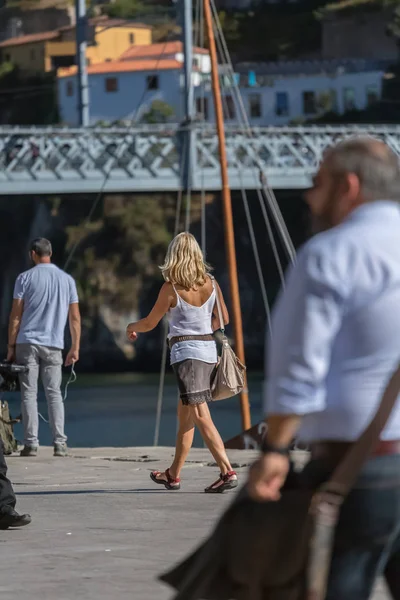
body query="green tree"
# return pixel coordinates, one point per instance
(124, 9)
(27, 99)
(159, 112)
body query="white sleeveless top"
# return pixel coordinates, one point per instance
(186, 319)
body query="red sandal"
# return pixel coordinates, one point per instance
(225, 482)
(169, 483)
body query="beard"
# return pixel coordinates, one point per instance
(326, 219)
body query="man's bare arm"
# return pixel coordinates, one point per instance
(282, 429)
(13, 326)
(74, 317)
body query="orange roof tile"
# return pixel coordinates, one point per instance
(155, 50)
(124, 66)
(28, 39)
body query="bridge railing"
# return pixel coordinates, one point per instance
(72, 160)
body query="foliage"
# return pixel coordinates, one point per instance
(124, 8)
(272, 32)
(354, 5)
(27, 99)
(120, 251)
(159, 112)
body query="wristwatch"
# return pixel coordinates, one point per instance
(267, 448)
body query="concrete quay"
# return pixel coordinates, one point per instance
(101, 530)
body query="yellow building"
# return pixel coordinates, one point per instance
(43, 52)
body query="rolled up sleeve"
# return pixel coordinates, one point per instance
(306, 319)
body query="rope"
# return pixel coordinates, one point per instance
(250, 222)
(164, 354)
(133, 121)
(270, 197)
(203, 191)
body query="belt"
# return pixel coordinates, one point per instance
(208, 337)
(336, 450)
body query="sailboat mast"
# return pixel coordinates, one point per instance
(227, 209)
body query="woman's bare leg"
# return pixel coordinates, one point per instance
(202, 419)
(184, 439)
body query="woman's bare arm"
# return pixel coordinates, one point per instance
(225, 315)
(164, 301)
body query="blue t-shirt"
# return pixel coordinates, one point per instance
(47, 292)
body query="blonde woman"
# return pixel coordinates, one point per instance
(189, 297)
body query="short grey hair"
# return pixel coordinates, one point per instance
(41, 247)
(375, 164)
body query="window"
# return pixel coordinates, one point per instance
(229, 107)
(202, 108)
(111, 84)
(282, 104)
(349, 100)
(131, 38)
(152, 82)
(372, 94)
(255, 106)
(70, 88)
(33, 55)
(327, 101)
(309, 103)
(88, 62)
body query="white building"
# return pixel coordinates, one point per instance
(125, 89)
(169, 50)
(273, 94)
(281, 93)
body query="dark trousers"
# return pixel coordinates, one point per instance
(7, 496)
(367, 542)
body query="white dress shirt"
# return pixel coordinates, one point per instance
(336, 328)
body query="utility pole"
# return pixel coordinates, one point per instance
(186, 17)
(227, 209)
(82, 77)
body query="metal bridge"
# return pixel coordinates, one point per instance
(151, 159)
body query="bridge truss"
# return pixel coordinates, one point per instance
(150, 159)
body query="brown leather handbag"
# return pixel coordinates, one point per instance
(278, 550)
(229, 375)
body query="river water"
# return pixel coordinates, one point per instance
(119, 410)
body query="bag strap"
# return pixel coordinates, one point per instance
(220, 317)
(348, 469)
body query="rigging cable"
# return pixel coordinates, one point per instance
(270, 196)
(250, 222)
(133, 122)
(203, 234)
(225, 56)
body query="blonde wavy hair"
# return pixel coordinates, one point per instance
(184, 262)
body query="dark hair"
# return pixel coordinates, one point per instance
(41, 247)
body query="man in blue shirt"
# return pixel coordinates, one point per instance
(335, 344)
(44, 298)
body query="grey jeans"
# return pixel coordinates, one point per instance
(48, 363)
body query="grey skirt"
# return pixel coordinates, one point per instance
(194, 380)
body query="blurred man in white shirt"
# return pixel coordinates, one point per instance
(335, 344)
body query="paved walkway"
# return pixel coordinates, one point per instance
(100, 529)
